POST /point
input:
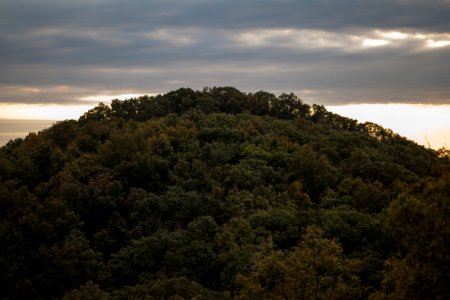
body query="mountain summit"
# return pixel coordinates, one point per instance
(220, 194)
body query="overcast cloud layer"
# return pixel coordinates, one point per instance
(327, 52)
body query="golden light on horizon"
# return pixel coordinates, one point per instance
(42, 111)
(54, 111)
(428, 125)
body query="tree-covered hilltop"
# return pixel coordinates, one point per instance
(219, 194)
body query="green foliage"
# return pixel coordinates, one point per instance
(206, 194)
(419, 222)
(371, 197)
(172, 288)
(87, 291)
(315, 269)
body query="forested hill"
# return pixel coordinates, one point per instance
(219, 194)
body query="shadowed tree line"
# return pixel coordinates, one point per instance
(220, 194)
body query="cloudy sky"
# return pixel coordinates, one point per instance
(337, 53)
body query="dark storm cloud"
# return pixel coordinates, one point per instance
(133, 15)
(327, 51)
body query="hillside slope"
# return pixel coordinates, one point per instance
(219, 194)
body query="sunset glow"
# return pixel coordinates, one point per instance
(194, 148)
(42, 112)
(433, 130)
(57, 61)
(425, 124)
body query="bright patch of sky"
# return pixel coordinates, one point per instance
(427, 125)
(345, 41)
(432, 130)
(72, 54)
(42, 111)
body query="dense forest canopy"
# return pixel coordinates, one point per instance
(220, 194)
